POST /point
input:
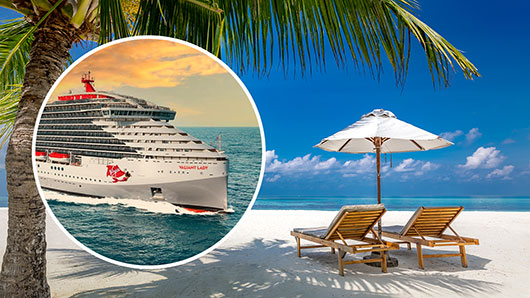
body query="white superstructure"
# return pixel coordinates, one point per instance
(110, 145)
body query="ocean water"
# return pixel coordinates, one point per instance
(484, 203)
(141, 233)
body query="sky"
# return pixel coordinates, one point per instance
(197, 87)
(486, 118)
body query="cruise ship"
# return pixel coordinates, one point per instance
(104, 144)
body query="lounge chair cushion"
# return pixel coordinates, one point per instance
(411, 221)
(322, 232)
(353, 208)
(393, 229)
(319, 232)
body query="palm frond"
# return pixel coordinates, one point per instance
(130, 8)
(15, 43)
(440, 53)
(298, 33)
(24, 10)
(113, 22)
(16, 37)
(196, 21)
(8, 109)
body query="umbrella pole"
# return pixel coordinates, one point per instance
(377, 143)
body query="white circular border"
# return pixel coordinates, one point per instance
(263, 152)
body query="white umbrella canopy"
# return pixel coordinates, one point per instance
(381, 132)
(396, 136)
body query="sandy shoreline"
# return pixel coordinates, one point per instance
(259, 259)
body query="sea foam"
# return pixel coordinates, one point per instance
(150, 206)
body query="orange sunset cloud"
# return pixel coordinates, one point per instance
(142, 64)
(195, 86)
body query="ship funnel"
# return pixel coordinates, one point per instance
(88, 80)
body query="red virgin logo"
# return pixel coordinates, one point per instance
(117, 174)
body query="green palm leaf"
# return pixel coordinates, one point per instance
(111, 21)
(16, 37)
(8, 109)
(254, 34)
(196, 21)
(298, 32)
(15, 43)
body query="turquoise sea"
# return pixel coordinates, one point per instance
(136, 236)
(476, 203)
(392, 203)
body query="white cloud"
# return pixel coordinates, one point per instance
(305, 163)
(451, 135)
(504, 172)
(474, 178)
(419, 167)
(273, 178)
(314, 165)
(270, 155)
(508, 141)
(486, 158)
(405, 166)
(527, 171)
(363, 165)
(472, 135)
(429, 166)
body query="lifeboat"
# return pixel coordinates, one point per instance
(40, 155)
(59, 157)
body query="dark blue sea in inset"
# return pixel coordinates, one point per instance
(134, 236)
(393, 203)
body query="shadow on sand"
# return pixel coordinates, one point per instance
(264, 268)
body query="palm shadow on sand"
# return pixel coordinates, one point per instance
(271, 269)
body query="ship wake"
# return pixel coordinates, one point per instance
(149, 206)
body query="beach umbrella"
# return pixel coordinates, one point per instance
(381, 132)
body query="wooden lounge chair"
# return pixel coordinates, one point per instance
(351, 223)
(426, 228)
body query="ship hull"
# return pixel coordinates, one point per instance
(207, 194)
(200, 186)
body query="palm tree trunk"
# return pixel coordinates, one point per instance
(24, 264)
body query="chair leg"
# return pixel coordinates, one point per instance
(341, 263)
(332, 250)
(463, 257)
(409, 246)
(383, 262)
(420, 256)
(298, 247)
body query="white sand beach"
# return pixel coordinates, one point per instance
(259, 260)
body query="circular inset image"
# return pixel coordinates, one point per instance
(148, 151)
